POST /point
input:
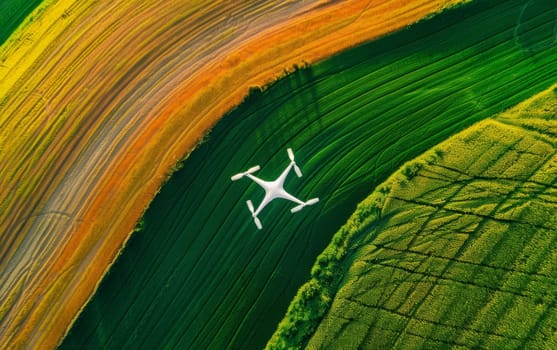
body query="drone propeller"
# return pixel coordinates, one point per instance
(290, 154)
(237, 177)
(250, 206)
(296, 168)
(297, 208)
(249, 171)
(255, 218)
(257, 223)
(253, 169)
(312, 201)
(301, 206)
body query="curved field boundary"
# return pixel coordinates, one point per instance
(200, 275)
(13, 13)
(99, 99)
(461, 250)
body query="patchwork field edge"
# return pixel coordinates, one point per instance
(314, 298)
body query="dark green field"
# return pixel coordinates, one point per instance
(12, 13)
(464, 253)
(200, 275)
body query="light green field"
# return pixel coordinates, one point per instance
(200, 275)
(460, 252)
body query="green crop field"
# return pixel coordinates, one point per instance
(200, 275)
(462, 253)
(12, 14)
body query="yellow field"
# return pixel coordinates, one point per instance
(100, 99)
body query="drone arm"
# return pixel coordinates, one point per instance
(256, 180)
(285, 173)
(262, 205)
(289, 197)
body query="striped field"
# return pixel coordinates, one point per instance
(100, 98)
(200, 275)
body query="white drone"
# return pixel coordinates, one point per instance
(274, 189)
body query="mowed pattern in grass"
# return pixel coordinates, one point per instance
(201, 276)
(463, 254)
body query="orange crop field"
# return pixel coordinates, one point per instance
(100, 99)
